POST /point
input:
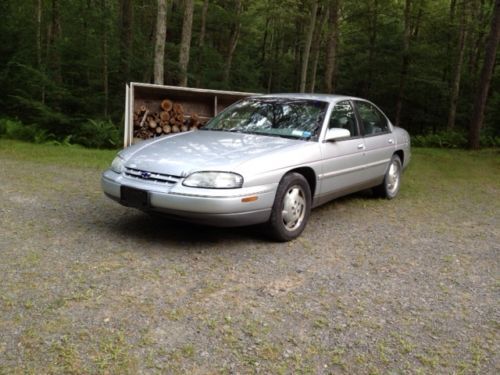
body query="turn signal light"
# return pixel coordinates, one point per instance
(253, 198)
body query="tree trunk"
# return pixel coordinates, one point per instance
(204, 12)
(201, 41)
(484, 82)
(39, 45)
(277, 74)
(105, 70)
(457, 74)
(39, 33)
(127, 16)
(264, 42)
(161, 34)
(318, 33)
(477, 48)
(86, 9)
(297, 55)
(187, 26)
(405, 63)
(235, 35)
(307, 47)
(331, 52)
(55, 35)
(371, 46)
(447, 68)
(272, 60)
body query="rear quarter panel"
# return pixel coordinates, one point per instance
(403, 143)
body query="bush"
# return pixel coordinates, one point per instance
(489, 141)
(94, 134)
(14, 129)
(441, 140)
(452, 140)
(98, 134)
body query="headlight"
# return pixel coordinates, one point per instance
(214, 180)
(117, 164)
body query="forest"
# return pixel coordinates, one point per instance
(429, 64)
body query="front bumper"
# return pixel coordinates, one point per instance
(218, 207)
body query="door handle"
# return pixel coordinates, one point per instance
(391, 141)
(361, 146)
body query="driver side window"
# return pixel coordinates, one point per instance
(343, 117)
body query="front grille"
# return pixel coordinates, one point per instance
(151, 176)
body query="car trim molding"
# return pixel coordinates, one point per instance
(353, 169)
(221, 197)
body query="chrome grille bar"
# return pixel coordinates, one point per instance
(151, 176)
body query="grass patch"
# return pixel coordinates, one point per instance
(69, 156)
(437, 169)
(114, 355)
(67, 357)
(426, 165)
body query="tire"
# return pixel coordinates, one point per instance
(291, 208)
(389, 188)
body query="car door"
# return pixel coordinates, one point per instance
(343, 159)
(378, 139)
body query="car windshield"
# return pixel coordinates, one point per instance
(279, 117)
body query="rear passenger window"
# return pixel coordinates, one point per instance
(372, 120)
(343, 117)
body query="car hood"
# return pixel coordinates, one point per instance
(184, 153)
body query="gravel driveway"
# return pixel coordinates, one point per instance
(372, 286)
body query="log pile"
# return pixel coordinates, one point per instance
(170, 118)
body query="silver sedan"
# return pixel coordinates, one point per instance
(266, 159)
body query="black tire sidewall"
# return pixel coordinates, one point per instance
(277, 227)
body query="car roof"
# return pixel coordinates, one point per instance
(322, 97)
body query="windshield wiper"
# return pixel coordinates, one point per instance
(214, 130)
(274, 135)
(287, 136)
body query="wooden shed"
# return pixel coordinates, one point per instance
(155, 110)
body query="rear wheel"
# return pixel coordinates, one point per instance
(291, 208)
(389, 188)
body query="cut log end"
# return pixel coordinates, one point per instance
(164, 116)
(178, 109)
(167, 129)
(167, 119)
(166, 105)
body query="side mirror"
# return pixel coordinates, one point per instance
(335, 134)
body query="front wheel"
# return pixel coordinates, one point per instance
(392, 180)
(291, 208)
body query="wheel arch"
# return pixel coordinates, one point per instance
(401, 155)
(309, 175)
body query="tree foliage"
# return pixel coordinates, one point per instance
(64, 62)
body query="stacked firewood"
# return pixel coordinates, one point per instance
(170, 119)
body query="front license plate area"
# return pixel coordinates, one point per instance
(133, 197)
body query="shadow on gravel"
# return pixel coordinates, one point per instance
(139, 226)
(163, 230)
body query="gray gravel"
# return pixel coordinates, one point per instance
(372, 286)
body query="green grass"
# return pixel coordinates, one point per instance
(426, 165)
(70, 156)
(446, 167)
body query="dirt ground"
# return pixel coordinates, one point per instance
(371, 287)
